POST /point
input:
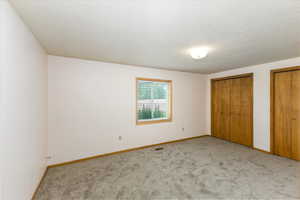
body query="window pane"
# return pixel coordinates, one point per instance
(153, 100)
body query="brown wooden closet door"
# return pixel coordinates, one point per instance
(283, 114)
(295, 154)
(241, 111)
(221, 109)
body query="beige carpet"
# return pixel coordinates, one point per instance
(204, 168)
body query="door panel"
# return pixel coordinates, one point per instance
(216, 98)
(235, 122)
(282, 114)
(295, 115)
(221, 112)
(241, 111)
(232, 109)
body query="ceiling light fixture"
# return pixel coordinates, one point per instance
(199, 53)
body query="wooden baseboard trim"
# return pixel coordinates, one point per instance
(262, 150)
(40, 183)
(123, 151)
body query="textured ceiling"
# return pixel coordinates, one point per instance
(157, 33)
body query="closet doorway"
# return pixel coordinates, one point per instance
(285, 112)
(232, 109)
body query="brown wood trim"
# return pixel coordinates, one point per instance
(123, 151)
(170, 102)
(153, 79)
(272, 111)
(153, 121)
(272, 101)
(40, 183)
(233, 77)
(252, 128)
(286, 69)
(211, 100)
(211, 107)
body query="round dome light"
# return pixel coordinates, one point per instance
(199, 53)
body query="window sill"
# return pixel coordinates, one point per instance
(153, 122)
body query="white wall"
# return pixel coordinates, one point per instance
(1, 83)
(261, 97)
(23, 98)
(92, 103)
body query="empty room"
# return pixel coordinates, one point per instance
(149, 99)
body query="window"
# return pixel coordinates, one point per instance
(154, 101)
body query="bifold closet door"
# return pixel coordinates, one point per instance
(283, 114)
(287, 114)
(241, 111)
(296, 115)
(232, 109)
(221, 109)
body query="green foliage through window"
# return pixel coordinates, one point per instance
(153, 100)
(148, 113)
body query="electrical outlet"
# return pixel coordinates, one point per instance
(120, 137)
(48, 157)
(182, 129)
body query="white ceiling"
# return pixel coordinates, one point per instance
(157, 33)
